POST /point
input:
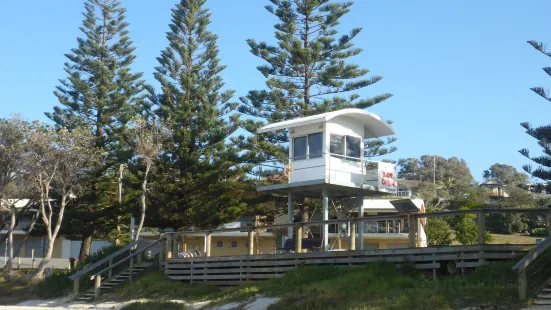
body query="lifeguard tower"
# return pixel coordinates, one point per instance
(326, 160)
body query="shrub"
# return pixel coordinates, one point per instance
(539, 232)
(55, 285)
(438, 231)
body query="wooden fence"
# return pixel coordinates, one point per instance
(234, 270)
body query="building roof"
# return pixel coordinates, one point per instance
(493, 182)
(384, 204)
(374, 125)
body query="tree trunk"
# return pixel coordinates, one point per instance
(9, 265)
(47, 258)
(52, 236)
(142, 200)
(86, 245)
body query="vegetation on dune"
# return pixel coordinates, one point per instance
(375, 286)
(157, 286)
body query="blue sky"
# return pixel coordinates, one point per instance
(460, 71)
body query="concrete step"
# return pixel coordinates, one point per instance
(544, 296)
(542, 301)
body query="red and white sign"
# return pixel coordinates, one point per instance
(388, 180)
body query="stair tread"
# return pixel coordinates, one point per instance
(542, 302)
(544, 296)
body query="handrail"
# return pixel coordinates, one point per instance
(104, 260)
(532, 255)
(126, 258)
(367, 219)
(297, 224)
(484, 210)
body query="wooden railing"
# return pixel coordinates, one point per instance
(171, 240)
(137, 253)
(534, 269)
(234, 270)
(113, 262)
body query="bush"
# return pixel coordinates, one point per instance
(466, 230)
(539, 232)
(99, 255)
(438, 231)
(55, 285)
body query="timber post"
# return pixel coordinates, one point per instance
(522, 283)
(131, 269)
(298, 246)
(168, 246)
(352, 243)
(97, 285)
(412, 233)
(481, 228)
(183, 242)
(251, 241)
(161, 253)
(208, 242)
(175, 244)
(110, 269)
(76, 286)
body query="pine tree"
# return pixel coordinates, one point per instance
(203, 175)
(542, 133)
(103, 94)
(306, 72)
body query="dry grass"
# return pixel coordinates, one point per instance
(513, 239)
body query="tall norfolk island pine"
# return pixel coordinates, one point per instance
(102, 94)
(306, 71)
(203, 177)
(543, 133)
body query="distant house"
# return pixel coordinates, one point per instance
(35, 245)
(496, 188)
(406, 188)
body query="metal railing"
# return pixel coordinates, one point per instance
(279, 170)
(534, 269)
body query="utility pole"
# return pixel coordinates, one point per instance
(121, 170)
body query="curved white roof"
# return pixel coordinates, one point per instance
(374, 125)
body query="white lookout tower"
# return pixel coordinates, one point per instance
(326, 159)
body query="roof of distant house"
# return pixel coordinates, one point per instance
(374, 125)
(493, 182)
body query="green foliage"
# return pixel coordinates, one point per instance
(381, 286)
(543, 133)
(438, 231)
(505, 174)
(102, 95)
(539, 232)
(156, 285)
(55, 285)
(507, 223)
(466, 229)
(446, 183)
(101, 253)
(308, 71)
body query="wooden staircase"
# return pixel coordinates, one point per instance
(544, 296)
(115, 269)
(114, 282)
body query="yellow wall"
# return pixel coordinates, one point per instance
(265, 245)
(381, 244)
(57, 252)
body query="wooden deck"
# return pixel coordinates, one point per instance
(234, 270)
